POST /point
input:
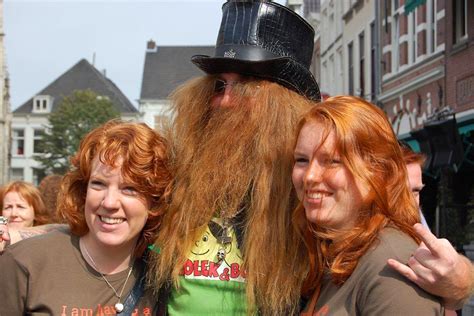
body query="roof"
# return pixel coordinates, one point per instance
(82, 76)
(168, 67)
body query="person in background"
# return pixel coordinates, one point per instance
(49, 189)
(356, 212)
(414, 162)
(113, 200)
(22, 205)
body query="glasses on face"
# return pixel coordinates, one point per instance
(220, 85)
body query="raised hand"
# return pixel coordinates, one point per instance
(436, 267)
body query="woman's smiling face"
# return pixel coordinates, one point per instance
(115, 212)
(324, 185)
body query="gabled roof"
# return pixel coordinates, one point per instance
(168, 67)
(82, 76)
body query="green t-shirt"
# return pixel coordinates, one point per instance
(208, 287)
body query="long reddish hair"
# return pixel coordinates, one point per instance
(145, 165)
(32, 196)
(228, 158)
(369, 149)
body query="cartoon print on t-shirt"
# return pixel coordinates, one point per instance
(207, 247)
(204, 259)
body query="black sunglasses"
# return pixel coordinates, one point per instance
(220, 85)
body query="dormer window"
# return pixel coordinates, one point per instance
(42, 103)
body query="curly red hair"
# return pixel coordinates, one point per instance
(370, 150)
(32, 196)
(144, 155)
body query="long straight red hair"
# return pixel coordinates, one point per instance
(369, 149)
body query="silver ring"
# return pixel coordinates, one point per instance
(3, 220)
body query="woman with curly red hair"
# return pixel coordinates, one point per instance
(356, 212)
(113, 200)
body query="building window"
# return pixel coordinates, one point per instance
(350, 53)
(395, 38)
(361, 65)
(310, 6)
(331, 74)
(37, 137)
(459, 20)
(372, 60)
(16, 174)
(414, 38)
(38, 175)
(432, 25)
(396, 4)
(42, 104)
(18, 142)
(340, 71)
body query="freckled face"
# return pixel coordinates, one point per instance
(115, 212)
(322, 182)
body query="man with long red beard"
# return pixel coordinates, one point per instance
(227, 241)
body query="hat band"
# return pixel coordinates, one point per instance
(249, 52)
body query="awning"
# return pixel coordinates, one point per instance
(411, 5)
(466, 128)
(415, 145)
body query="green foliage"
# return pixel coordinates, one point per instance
(75, 116)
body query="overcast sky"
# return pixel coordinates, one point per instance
(43, 39)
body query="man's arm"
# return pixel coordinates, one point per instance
(437, 268)
(11, 236)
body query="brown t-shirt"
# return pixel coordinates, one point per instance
(47, 275)
(374, 288)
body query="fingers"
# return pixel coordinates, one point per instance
(4, 235)
(424, 272)
(427, 238)
(425, 257)
(403, 269)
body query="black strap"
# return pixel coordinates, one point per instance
(135, 294)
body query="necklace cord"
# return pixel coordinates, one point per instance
(94, 265)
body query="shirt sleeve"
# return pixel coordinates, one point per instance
(13, 285)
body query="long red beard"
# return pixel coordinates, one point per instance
(226, 160)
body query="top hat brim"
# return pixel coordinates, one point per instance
(282, 70)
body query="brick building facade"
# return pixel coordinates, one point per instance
(427, 91)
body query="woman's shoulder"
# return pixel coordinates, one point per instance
(384, 289)
(52, 243)
(392, 243)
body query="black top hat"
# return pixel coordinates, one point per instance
(267, 40)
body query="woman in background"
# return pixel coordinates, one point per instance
(356, 212)
(22, 205)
